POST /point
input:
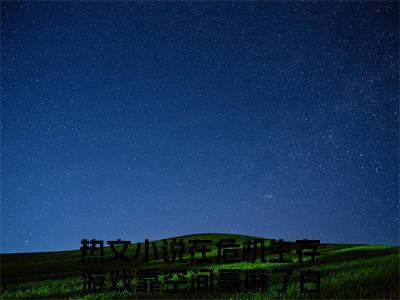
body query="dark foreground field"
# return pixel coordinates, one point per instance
(347, 272)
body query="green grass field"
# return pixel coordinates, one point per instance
(347, 272)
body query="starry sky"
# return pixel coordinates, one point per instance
(149, 120)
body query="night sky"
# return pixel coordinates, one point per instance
(130, 120)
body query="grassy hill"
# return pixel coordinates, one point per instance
(347, 272)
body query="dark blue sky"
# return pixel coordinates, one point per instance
(133, 121)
